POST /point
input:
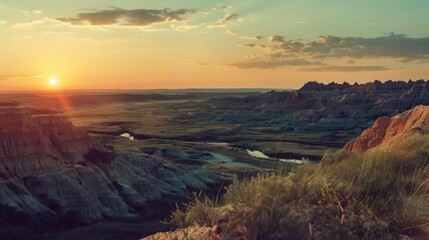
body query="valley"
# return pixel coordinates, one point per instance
(138, 153)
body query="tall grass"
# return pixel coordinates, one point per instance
(392, 182)
(346, 196)
(201, 211)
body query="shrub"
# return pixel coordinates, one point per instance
(301, 206)
(260, 207)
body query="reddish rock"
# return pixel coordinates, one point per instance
(46, 137)
(385, 130)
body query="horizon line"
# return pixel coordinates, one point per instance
(141, 89)
(202, 88)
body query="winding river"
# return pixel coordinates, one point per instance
(259, 154)
(229, 161)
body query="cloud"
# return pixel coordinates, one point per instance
(183, 27)
(6, 77)
(230, 32)
(222, 6)
(32, 23)
(123, 17)
(252, 56)
(276, 39)
(3, 22)
(256, 38)
(326, 50)
(11, 76)
(394, 46)
(229, 17)
(272, 64)
(332, 68)
(279, 56)
(252, 45)
(303, 64)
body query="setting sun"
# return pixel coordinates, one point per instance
(53, 82)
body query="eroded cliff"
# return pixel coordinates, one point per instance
(53, 172)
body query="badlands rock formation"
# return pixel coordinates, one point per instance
(53, 172)
(385, 130)
(331, 107)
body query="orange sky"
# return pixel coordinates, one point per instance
(208, 45)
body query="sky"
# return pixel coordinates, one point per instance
(152, 44)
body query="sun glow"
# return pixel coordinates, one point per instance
(53, 81)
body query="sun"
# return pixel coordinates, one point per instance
(53, 81)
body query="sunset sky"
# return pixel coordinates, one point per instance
(131, 44)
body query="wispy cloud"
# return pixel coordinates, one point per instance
(230, 32)
(253, 45)
(256, 38)
(333, 68)
(222, 6)
(229, 17)
(252, 57)
(276, 39)
(32, 23)
(123, 17)
(302, 65)
(272, 64)
(7, 77)
(3, 22)
(184, 27)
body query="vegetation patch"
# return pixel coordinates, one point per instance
(375, 195)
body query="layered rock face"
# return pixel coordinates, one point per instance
(44, 136)
(386, 130)
(52, 171)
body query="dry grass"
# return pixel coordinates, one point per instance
(355, 196)
(201, 211)
(392, 182)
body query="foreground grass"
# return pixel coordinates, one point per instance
(392, 182)
(375, 195)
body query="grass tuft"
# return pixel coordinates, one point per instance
(201, 211)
